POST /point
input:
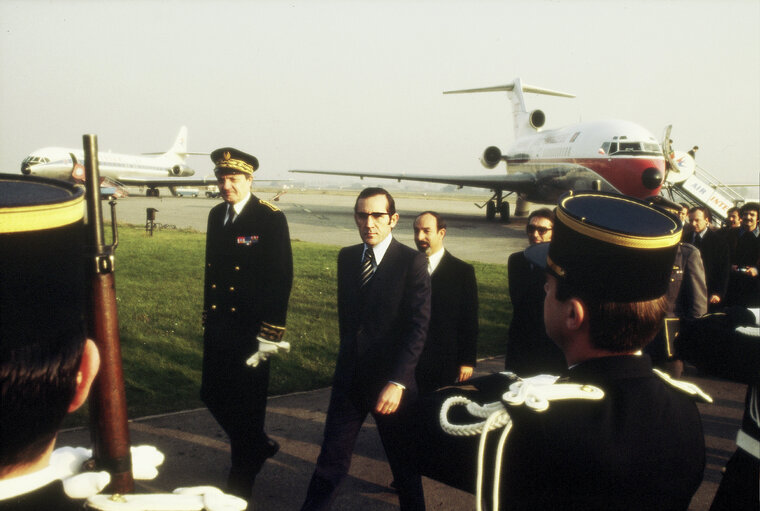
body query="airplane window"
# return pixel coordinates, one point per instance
(613, 148)
(630, 146)
(606, 147)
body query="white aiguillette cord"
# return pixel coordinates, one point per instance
(536, 393)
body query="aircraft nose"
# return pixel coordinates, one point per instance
(651, 178)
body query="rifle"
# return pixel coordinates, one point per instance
(108, 405)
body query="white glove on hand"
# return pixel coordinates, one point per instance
(266, 350)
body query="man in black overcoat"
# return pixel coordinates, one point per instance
(383, 310)
(451, 346)
(613, 434)
(248, 277)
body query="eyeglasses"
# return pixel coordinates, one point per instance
(530, 229)
(376, 215)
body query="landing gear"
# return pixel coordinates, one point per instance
(490, 210)
(151, 192)
(504, 212)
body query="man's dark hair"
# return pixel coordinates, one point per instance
(750, 206)
(542, 213)
(440, 223)
(619, 326)
(731, 210)
(37, 385)
(704, 210)
(371, 192)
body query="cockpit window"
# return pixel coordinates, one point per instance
(624, 147)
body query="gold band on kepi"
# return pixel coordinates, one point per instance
(229, 160)
(42, 240)
(610, 247)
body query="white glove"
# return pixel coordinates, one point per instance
(145, 459)
(266, 350)
(214, 499)
(196, 498)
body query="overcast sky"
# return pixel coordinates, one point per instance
(356, 85)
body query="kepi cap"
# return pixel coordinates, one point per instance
(228, 160)
(610, 247)
(42, 240)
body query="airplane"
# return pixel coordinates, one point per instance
(166, 169)
(613, 155)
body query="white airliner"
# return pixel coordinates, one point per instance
(167, 169)
(612, 155)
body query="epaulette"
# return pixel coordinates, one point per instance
(684, 386)
(269, 205)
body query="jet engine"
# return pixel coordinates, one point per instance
(181, 170)
(537, 119)
(491, 157)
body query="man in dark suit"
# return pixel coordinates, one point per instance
(744, 281)
(613, 434)
(384, 310)
(451, 346)
(529, 350)
(249, 273)
(714, 251)
(46, 361)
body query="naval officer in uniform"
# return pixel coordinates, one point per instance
(248, 277)
(613, 434)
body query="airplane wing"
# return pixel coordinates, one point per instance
(178, 181)
(167, 181)
(521, 182)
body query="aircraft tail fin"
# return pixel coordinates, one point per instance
(524, 121)
(180, 143)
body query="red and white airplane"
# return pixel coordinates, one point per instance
(617, 156)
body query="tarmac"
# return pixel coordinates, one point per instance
(197, 450)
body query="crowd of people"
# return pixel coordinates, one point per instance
(604, 278)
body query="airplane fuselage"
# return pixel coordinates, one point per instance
(619, 155)
(67, 164)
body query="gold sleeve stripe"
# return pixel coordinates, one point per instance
(269, 325)
(620, 239)
(42, 216)
(269, 205)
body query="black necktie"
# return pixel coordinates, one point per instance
(230, 216)
(367, 269)
(697, 240)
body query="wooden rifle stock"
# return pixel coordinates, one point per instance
(108, 404)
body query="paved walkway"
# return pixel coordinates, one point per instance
(197, 452)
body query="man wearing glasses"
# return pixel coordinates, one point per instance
(383, 311)
(529, 350)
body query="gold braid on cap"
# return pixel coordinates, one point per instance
(42, 216)
(238, 165)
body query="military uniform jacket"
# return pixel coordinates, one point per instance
(453, 332)
(640, 447)
(249, 272)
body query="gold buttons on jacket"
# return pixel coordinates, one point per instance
(233, 309)
(213, 307)
(237, 268)
(213, 286)
(232, 289)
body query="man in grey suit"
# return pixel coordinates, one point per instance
(383, 311)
